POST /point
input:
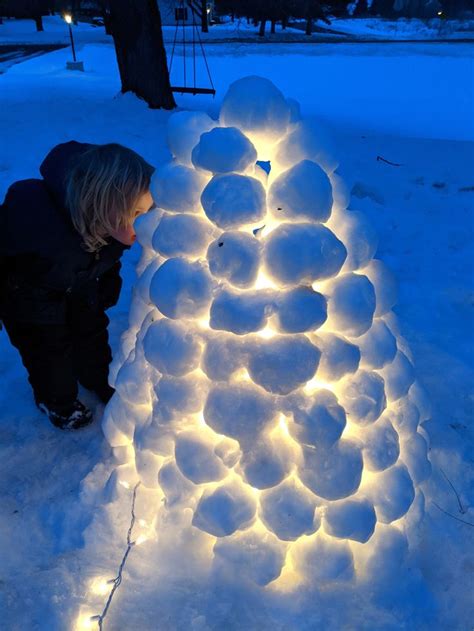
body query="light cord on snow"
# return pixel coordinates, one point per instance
(115, 582)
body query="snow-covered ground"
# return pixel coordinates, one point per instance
(410, 106)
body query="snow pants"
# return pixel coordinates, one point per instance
(59, 356)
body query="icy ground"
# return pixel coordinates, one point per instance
(412, 107)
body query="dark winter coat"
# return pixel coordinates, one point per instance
(41, 253)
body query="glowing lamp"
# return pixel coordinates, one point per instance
(282, 414)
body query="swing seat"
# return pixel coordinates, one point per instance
(191, 90)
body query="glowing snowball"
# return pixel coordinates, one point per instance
(177, 188)
(378, 346)
(283, 364)
(222, 357)
(385, 286)
(310, 140)
(322, 424)
(332, 473)
(256, 105)
(181, 289)
(398, 376)
(415, 456)
(359, 237)
(351, 306)
(303, 192)
(302, 253)
(196, 460)
(223, 150)
(177, 397)
(289, 511)
(322, 559)
(183, 132)
(338, 356)
(250, 555)
(405, 416)
(171, 348)
(240, 412)
(300, 310)
(235, 256)
(363, 397)
(393, 494)
(381, 445)
(231, 200)
(145, 226)
(240, 313)
(181, 235)
(350, 519)
(223, 511)
(264, 465)
(177, 489)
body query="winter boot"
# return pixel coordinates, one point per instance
(74, 416)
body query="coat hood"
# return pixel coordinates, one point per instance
(56, 166)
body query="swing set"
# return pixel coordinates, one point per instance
(181, 17)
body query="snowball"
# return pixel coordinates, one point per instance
(145, 225)
(228, 450)
(295, 110)
(224, 510)
(171, 348)
(250, 555)
(177, 397)
(256, 105)
(321, 425)
(238, 411)
(405, 416)
(381, 445)
(142, 288)
(300, 310)
(385, 286)
(415, 456)
(332, 473)
(359, 237)
(338, 356)
(363, 397)
(183, 132)
(350, 519)
(378, 346)
(232, 200)
(282, 364)
(148, 466)
(133, 381)
(302, 192)
(264, 464)
(398, 377)
(340, 192)
(181, 289)
(387, 551)
(175, 486)
(322, 559)
(181, 235)
(222, 150)
(419, 397)
(310, 140)
(240, 313)
(302, 253)
(393, 493)
(222, 357)
(177, 188)
(196, 460)
(289, 511)
(235, 256)
(351, 304)
(152, 438)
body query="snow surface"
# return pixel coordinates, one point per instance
(422, 211)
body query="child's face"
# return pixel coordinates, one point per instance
(126, 234)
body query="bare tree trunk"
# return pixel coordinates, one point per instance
(204, 17)
(38, 18)
(141, 56)
(261, 32)
(309, 26)
(272, 30)
(284, 22)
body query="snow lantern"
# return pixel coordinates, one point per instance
(264, 393)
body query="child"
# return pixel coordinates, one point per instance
(61, 239)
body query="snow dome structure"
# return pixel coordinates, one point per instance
(264, 393)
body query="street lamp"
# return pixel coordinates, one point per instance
(72, 65)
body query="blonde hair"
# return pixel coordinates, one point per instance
(103, 186)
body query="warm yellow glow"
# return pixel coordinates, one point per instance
(283, 425)
(141, 539)
(100, 586)
(264, 282)
(267, 333)
(124, 483)
(84, 622)
(68, 18)
(318, 384)
(203, 323)
(242, 375)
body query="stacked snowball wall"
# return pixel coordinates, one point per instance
(263, 389)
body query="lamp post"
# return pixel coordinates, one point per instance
(72, 65)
